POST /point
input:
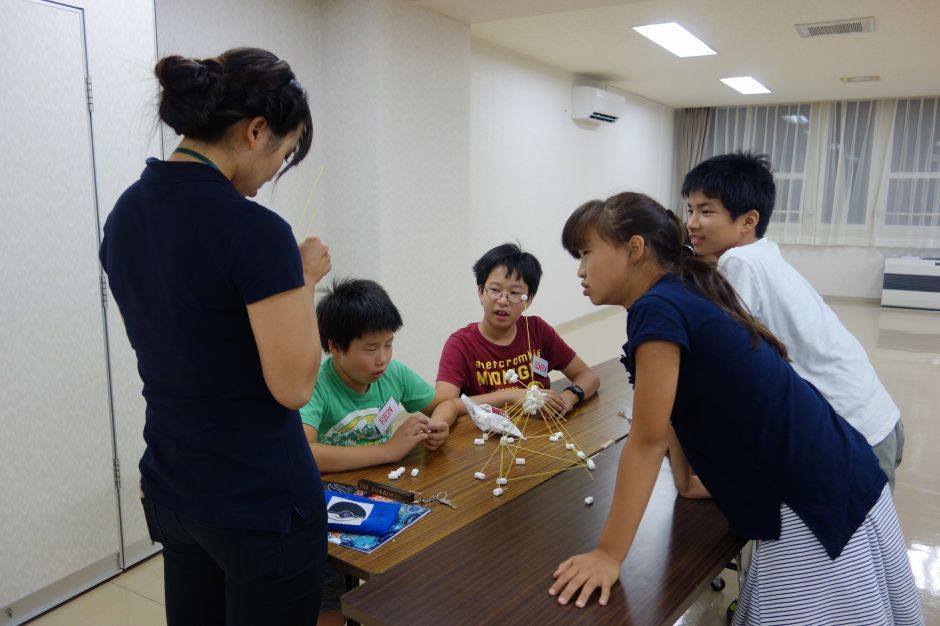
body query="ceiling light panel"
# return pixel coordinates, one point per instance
(676, 39)
(745, 84)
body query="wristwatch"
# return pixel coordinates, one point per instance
(576, 391)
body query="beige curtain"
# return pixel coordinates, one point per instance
(691, 132)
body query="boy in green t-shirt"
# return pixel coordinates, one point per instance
(360, 390)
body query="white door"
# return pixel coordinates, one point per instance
(59, 520)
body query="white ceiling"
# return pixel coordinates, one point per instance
(594, 38)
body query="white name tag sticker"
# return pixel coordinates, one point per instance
(540, 366)
(387, 415)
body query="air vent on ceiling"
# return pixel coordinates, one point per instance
(837, 27)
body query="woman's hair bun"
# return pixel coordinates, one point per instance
(186, 76)
(190, 92)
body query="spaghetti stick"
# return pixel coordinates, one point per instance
(304, 227)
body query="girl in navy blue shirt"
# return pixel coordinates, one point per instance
(217, 300)
(714, 387)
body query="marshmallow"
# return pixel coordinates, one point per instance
(498, 491)
(590, 464)
(589, 500)
(520, 461)
(502, 481)
(503, 440)
(553, 438)
(512, 376)
(486, 436)
(569, 446)
(559, 434)
(581, 454)
(414, 472)
(480, 476)
(400, 470)
(393, 475)
(479, 442)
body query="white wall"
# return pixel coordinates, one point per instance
(531, 165)
(292, 30)
(434, 148)
(845, 271)
(397, 129)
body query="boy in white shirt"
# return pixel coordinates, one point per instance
(730, 199)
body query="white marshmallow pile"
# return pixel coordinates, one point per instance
(534, 400)
(511, 376)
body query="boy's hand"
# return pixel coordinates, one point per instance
(437, 433)
(586, 572)
(412, 431)
(556, 401)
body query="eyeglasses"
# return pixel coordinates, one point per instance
(514, 297)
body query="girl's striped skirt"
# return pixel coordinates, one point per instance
(792, 580)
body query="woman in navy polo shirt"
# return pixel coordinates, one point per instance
(781, 465)
(217, 299)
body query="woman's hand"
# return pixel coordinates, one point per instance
(315, 258)
(586, 572)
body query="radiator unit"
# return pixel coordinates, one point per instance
(912, 283)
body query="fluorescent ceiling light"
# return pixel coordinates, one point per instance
(676, 39)
(745, 84)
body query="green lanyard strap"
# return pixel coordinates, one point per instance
(196, 155)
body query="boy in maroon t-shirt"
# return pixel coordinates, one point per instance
(476, 357)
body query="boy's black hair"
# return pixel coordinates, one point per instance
(741, 180)
(354, 307)
(510, 256)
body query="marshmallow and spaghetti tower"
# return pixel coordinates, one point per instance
(511, 450)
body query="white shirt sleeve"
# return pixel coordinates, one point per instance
(742, 277)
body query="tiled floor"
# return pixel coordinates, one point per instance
(905, 349)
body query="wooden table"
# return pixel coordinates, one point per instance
(593, 424)
(498, 569)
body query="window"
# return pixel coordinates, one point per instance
(781, 132)
(847, 173)
(913, 197)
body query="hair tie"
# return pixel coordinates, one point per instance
(670, 213)
(296, 85)
(687, 250)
